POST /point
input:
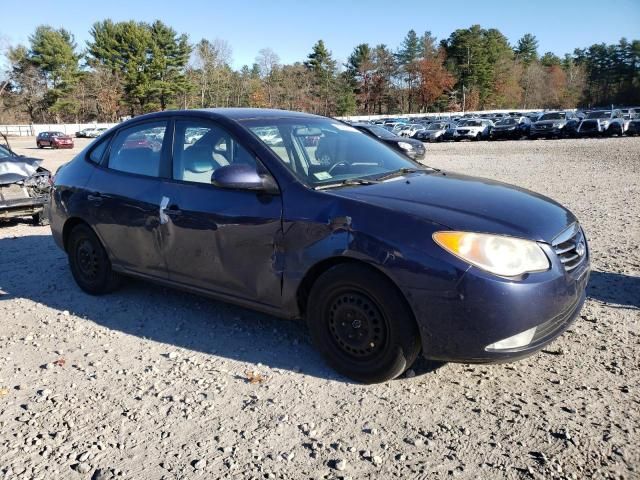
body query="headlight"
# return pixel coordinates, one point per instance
(505, 256)
(604, 123)
(557, 125)
(405, 146)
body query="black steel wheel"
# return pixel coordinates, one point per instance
(361, 324)
(89, 262)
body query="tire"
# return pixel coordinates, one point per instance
(90, 265)
(390, 340)
(39, 145)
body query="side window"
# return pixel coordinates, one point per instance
(201, 147)
(95, 155)
(137, 149)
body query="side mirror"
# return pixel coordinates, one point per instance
(244, 177)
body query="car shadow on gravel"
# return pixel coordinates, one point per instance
(34, 268)
(614, 288)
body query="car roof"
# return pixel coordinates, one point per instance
(232, 113)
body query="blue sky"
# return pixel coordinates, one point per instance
(290, 27)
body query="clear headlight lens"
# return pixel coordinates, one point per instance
(405, 146)
(504, 256)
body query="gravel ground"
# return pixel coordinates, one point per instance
(153, 383)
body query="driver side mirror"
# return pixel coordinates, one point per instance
(244, 177)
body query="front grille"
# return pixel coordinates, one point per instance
(544, 126)
(571, 247)
(462, 131)
(589, 125)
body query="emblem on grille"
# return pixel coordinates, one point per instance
(581, 249)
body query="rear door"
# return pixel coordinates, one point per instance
(218, 239)
(126, 193)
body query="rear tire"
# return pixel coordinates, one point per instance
(361, 324)
(89, 262)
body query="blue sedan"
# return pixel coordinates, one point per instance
(302, 216)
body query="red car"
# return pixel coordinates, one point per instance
(54, 140)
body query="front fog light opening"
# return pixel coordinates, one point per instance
(521, 339)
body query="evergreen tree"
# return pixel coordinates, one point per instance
(527, 49)
(323, 68)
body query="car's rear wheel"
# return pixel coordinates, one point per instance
(361, 324)
(89, 262)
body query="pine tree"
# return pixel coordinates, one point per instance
(323, 67)
(527, 49)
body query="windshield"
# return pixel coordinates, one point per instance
(600, 114)
(472, 123)
(57, 134)
(323, 151)
(553, 116)
(381, 132)
(507, 121)
(437, 126)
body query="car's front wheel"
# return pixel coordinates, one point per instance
(89, 262)
(361, 324)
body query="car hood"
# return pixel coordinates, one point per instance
(470, 127)
(16, 169)
(466, 203)
(505, 127)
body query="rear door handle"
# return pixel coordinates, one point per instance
(95, 197)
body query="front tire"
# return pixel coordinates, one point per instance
(89, 262)
(361, 324)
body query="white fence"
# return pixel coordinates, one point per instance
(34, 129)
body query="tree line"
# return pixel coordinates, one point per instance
(129, 68)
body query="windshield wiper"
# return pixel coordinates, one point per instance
(404, 171)
(349, 182)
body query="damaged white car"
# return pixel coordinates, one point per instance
(24, 187)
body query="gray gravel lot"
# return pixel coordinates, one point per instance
(154, 383)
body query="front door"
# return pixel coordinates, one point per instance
(218, 239)
(125, 195)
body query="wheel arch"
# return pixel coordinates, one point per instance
(313, 273)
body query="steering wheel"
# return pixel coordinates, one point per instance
(336, 165)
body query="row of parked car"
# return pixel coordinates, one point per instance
(516, 125)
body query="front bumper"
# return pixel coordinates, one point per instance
(546, 132)
(484, 309)
(465, 135)
(506, 133)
